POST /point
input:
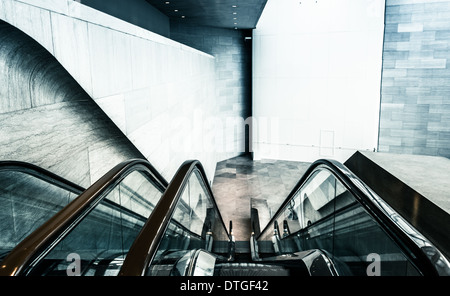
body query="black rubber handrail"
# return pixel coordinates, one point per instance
(373, 205)
(147, 242)
(38, 243)
(42, 174)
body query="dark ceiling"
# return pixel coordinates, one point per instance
(231, 14)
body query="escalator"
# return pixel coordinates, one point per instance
(330, 210)
(330, 224)
(29, 196)
(132, 222)
(94, 230)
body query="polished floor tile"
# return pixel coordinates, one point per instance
(240, 180)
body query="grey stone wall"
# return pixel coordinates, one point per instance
(415, 92)
(233, 57)
(47, 119)
(153, 88)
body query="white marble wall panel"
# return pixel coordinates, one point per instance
(55, 5)
(110, 61)
(138, 109)
(134, 75)
(34, 22)
(71, 33)
(114, 106)
(142, 59)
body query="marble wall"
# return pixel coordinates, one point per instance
(415, 93)
(158, 92)
(47, 119)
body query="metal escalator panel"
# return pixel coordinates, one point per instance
(331, 210)
(186, 219)
(195, 224)
(104, 236)
(29, 196)
(91, 235)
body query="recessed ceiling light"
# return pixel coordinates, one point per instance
(183, 16)
(167, 2)
(234, 6)
(176, 10)
(234, 12)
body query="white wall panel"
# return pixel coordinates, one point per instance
(316, 78)
(69, 51)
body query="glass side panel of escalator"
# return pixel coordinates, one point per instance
(195, 224)
(26, 202)
(324, 215)
(98, 244)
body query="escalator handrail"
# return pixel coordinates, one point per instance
(42, 174)
(373, 205)
(147, 242)
(35, 246)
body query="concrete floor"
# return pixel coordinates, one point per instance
(239, 180)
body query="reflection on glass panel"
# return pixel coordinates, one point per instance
(192, 211)
(26, 202)
(102, 239)
(195, 224)
(314, 201)
(325, 215)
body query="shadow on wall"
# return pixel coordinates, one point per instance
(47, 119)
